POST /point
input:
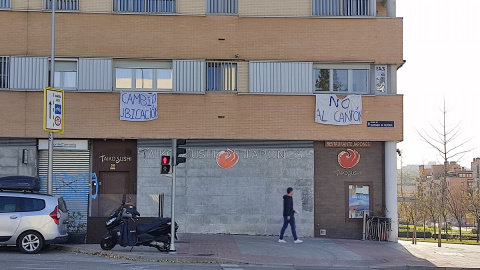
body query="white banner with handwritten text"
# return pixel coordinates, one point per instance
(138, 106)
(331, 110)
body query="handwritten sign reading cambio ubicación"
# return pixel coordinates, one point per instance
(138, 106)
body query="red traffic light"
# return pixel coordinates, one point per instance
(165, 160)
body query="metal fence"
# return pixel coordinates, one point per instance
(147, 6)
(4, 71)
(344, 8)
(221, 76)
(222, 6)
(4, 3)
(62, 4)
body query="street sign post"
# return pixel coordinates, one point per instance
(53, 112)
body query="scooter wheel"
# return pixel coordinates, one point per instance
(108, 243)
(164, 248)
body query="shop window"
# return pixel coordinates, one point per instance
(143, 76)
(358, 200)
(65, 75)
(342, 79)
(221, 76)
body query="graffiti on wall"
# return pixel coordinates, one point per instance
(72, 186)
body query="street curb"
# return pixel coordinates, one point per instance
(160, 257)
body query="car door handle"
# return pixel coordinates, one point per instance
(13, 217)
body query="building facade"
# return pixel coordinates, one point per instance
(268, 94)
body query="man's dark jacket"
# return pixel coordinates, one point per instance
(287, 206)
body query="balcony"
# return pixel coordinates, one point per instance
(343, 8)
(62, 5)
(145, 6)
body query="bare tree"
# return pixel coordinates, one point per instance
(443, 139)
(473, 204)
(456, 204)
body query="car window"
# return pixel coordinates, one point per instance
(10, 204)
(62, 205)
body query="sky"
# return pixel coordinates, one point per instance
(441, 46)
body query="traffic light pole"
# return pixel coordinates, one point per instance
(172, 232)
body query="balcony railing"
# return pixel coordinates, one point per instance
(344, 8)
(62, 4)
(221, 76)
(147, 6)
(4, 3)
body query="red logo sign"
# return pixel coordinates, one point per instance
(227, 159)
(348, 159)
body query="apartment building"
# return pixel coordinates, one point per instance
(269, 94)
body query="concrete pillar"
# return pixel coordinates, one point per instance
(391, 8)
(391, 187)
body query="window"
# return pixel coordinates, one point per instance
(65, 75)
(144, 76)
(4, 3)
(148, 6)
(358, 200)
(344, 7)
(222, 6)
(221, 76)
(4, 71)
(19, 204)
(342, 79)
(62, 4)
(381, 79)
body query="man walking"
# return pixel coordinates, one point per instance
(288, 217)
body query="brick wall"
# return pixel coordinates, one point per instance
(195, 37)
(275, 117)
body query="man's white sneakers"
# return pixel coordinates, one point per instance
(282, 241)
(298, 241)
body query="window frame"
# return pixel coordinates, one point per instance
(221, 69)
(57, 8)
(138, 65)
(7, 6)
(130, 9)
(350, 68)
(208, 12)
(340, 9)
(5, 72)
(62, 70)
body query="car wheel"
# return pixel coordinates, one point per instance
(30, 242)
(108, 243)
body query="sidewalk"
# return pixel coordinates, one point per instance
(320, 252)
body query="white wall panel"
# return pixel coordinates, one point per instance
(281, 77)
(29, 73)
(95, 74)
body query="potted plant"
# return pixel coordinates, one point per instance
(77, 228)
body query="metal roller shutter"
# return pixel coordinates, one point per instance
(71, 178)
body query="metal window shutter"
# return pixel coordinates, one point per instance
(95, 74)
(189, 76)
(281, 77)
(29, 73)
(71, 178)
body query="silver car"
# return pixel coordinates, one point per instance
(32, 220)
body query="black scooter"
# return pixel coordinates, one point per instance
(157, 234)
